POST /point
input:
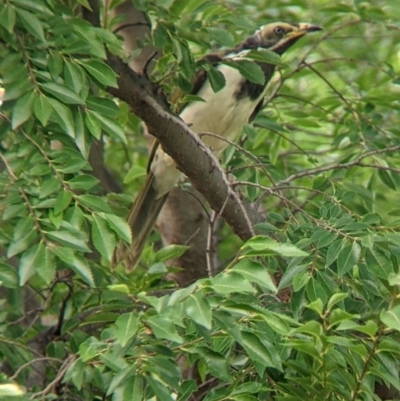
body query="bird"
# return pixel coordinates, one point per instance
(223, 113)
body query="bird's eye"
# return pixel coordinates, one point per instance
(279, 30)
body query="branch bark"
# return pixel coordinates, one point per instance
(192, 157)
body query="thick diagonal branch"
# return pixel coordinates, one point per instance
(192, 157)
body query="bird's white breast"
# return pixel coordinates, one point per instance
(221, 113)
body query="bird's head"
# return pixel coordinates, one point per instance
(278, 36)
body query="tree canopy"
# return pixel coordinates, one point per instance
(278, 279)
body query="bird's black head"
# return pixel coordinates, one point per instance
(278, 36)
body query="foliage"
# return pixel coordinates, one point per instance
(322, 158)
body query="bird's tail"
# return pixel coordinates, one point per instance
(141, 219)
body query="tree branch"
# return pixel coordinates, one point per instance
(192, 157)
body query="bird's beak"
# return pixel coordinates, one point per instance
(302, 29)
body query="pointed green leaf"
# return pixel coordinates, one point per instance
(264, 243)
(94, 203)
(163, 328)
(43, 109)
(111, 126)
(93, 124)
(7, 18)
(249, 69)
(334, 250)
(62, 202)
(63, 116)
(378, 263)
(255, 273)
(257, 350)
(69, 240)
(81, 267)
(119, 226)
(170, 252)
(225, 283)
(198, 309)
(31, 23)
(126, 327)
(27, 264)
(74, 76)
(103, 238)
(101, 71)
(347, 258)
(217, 364)
(45, 265)
(222, 36)
(391, 318)
(62, 93)
(216, 78)
(22, 110)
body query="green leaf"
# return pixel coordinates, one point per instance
(265, 56)
(62, 202)
(311, 327)
(391, 318)
(317, 306)
(55, 65)
(111, 126)
(187, 388)
(334, 250)
(102, 237)
(216, 363)
(126, 327)
(83, 182)
(8, 276)
(347, 258)
(62, 92)
(103, 106)
(290, 274)
(101, 72)
(249, 69)
(216, 78)
(222, 36)
(94, 203)
(336, 298)
(276, 322)
(225, 283)
(43, 109)
(27, 264)
(121, 377)
(339, 315)
(134, 173)
(315, 291)
(22, 110)
(63, 116)
(119, 226)
(255, 273)
(378, 263)
(69, 240)
(45, 264)
(163, 328)
(31, 23)
(274, 150)
(170, 252)
(160, 390)
(33, 5)
(7, 18)
(326, 240)
(93, 124)
(199, 310)
(257, 350)
(81, 267)
(264, 243)
(74, 76)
